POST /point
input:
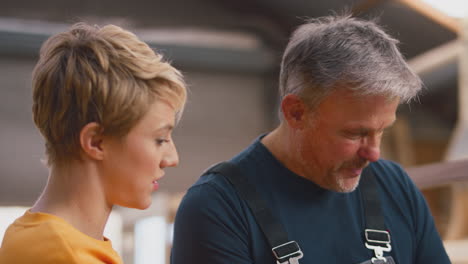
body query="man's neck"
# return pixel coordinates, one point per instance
(279, 142)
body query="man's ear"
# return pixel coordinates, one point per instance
(294, 111)
(91, 138)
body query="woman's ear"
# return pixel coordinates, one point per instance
(294, 111)
(91, 138)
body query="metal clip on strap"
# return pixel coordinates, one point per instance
(287, 253)
(382, 238)
(377, 236)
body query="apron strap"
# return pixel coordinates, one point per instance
(376, 234)
(285, 250)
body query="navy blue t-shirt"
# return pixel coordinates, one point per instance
(214, 225)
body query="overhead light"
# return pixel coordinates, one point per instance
(201, 38)
(195, 37)
(453, 8)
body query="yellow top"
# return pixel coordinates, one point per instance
(44, 238)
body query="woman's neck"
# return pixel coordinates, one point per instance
(74, 192)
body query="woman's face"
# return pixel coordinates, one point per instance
(133, 164)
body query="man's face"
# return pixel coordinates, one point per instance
(341, 137)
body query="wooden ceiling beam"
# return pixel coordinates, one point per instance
(365, 6)
(434, 14)
(437, 57)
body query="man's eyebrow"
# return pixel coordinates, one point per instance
(363, 129)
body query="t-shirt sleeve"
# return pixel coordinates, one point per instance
(210, 227)
(37, 245)
(429, 246)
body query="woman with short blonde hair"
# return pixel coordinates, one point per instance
(106, 105)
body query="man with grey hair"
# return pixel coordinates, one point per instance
(314, 190)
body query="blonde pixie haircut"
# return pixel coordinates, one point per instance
(104, 75)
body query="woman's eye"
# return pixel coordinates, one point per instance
(161, 141)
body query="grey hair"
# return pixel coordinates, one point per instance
(341, 51)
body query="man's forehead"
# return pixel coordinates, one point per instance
(358, 95)
(370, 111)
(343, 98)
(369, 124)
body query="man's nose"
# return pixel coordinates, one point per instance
(370, 150)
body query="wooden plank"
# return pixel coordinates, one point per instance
(458, 224)
(458, 221)
(403, 142)
(456, 249)
(439, 174)
(455, 175)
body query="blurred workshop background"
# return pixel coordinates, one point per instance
(229, 52)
